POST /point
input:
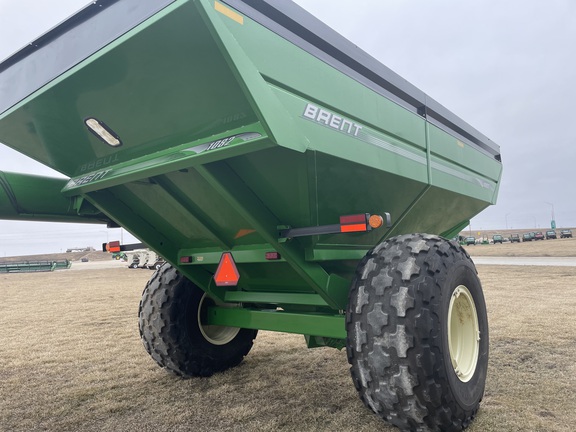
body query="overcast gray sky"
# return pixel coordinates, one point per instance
(506, 67)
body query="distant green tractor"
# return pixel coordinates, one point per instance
(119, 256)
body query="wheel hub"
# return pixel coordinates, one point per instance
(216, 335)
(463, 333)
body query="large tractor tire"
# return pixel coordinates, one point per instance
(418, 333)
(172, 330)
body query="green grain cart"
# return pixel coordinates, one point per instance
(291, 181)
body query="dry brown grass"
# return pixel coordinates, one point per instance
(532, 372)
(71, 359)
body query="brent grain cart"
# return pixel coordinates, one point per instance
(292, 183)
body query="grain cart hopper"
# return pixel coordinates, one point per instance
(291, 182)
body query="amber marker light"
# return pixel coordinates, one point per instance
(376, 221)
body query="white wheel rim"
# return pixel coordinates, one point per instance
(463, 333)
(216, 335)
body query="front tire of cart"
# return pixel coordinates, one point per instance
(172, 329)
(418, 333)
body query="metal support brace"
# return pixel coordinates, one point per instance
(289, 232)
(226, 182)
(330, 326)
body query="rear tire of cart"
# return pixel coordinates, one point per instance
(171, 316)
(418, 333)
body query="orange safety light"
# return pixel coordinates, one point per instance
(227, 273)
(376, 221)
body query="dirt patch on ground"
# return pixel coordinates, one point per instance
(72, 360)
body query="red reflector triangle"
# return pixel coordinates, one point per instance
(227, 273)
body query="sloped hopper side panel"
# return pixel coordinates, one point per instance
(164, 83)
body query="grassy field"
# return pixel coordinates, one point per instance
(71, 360)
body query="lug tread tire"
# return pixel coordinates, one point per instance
(395, 345)
(169, 330)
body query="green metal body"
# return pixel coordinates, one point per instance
(39, 198)
(228, 132)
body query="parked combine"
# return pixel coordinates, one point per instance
(291, 181)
